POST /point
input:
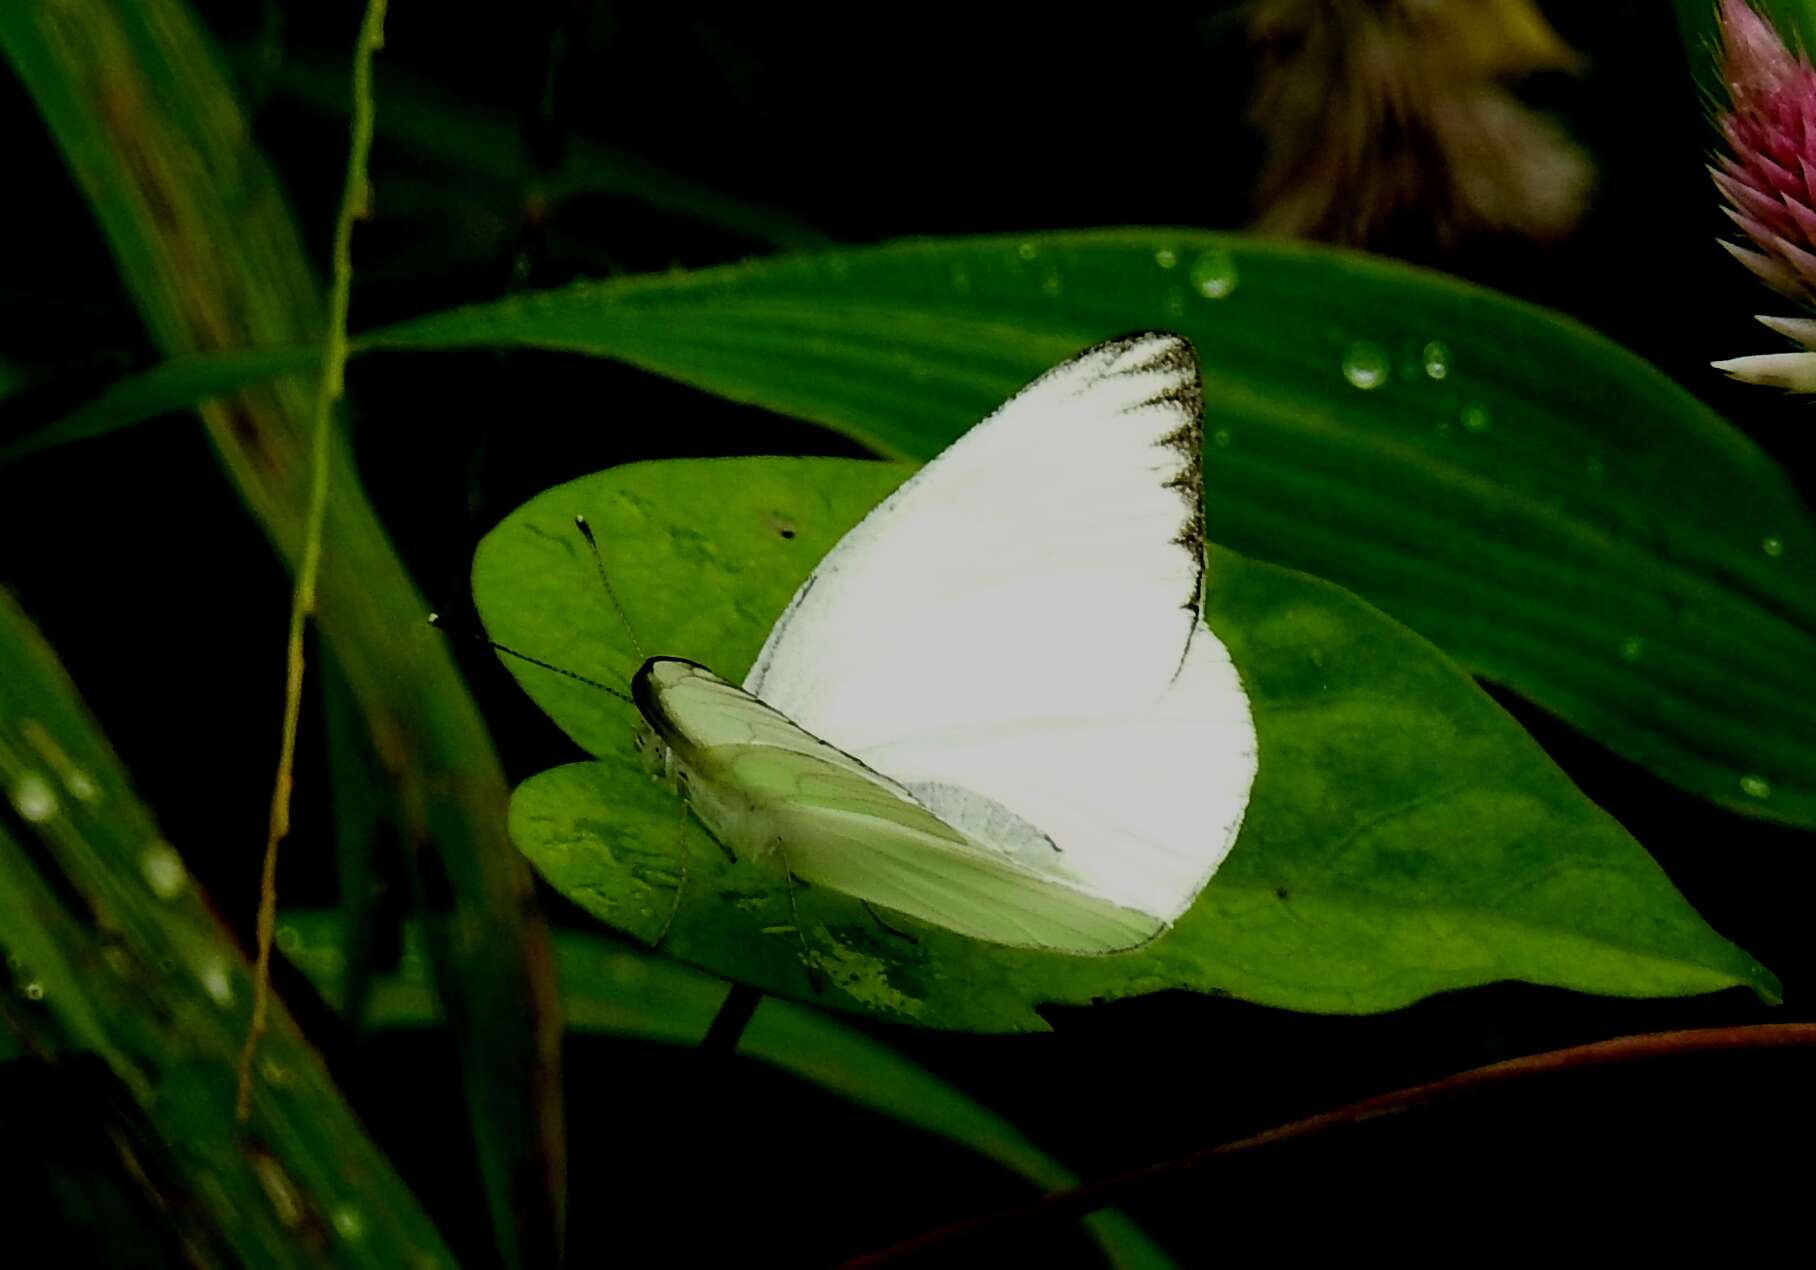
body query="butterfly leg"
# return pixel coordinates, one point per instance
(878, 919)
(807, 957)
(681, 886)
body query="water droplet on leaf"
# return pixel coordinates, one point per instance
(1773, 547)
(33, 798)
(1753, 785)
(1365, 366)
(163, 871)
(1436, 359)
(348, 1223)
(217, 983)
(1166, 257)
(1213, 273)
(1476, 418)
(1633, 647)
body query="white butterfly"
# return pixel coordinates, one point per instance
(995, 705)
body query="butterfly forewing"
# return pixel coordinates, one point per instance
(1022, 619)
(770, 790)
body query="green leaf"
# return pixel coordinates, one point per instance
(176, 385)
(1546, 507)
(1404, 835)
(609, 990)
(111, 948)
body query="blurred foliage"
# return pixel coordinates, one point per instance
(147, 120)
(112, 952)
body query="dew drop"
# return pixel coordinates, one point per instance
(81, 785)
(276, 1074)
(1753, 785)
(1027, 251)
(1436, 360)
(1773, 547)
(348, 1223)
(216, 983)
(1633, 648)
(163, 871)
(33, 798)
(1221, 437)
(33, 991)
(1365, 366)
(1051, 285)
(1476, 418)
(289, 940)
(1213, 273)
(1166, 257)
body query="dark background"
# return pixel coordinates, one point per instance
(168, 606)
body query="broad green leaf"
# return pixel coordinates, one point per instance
(1546, 507)
(1404, 836)
(609, 990)
(111, 948)
(1550, 510)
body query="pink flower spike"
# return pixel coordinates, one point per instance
(1769, 179)
(1755, 61)
(1804, 215)
(1794, 371)
(1781, 278)
(1761, 206)
(1802, 330)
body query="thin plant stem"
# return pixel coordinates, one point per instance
(355, 205)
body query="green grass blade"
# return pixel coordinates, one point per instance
(607, 989)
(112, 949)
(172, 387)
(140, 108)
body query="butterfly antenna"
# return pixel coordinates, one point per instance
(436, 621)
(586, 531)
